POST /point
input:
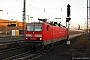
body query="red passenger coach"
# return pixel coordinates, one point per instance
(43, 34)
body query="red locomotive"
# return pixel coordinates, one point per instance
(43, 33)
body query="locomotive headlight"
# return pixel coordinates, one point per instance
(40, 38)
(26, 38)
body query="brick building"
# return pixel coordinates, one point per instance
(4, 25)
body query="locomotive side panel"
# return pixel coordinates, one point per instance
(56, 32)
(46, 32)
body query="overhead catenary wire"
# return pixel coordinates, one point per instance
(37, 9)
(54, 7)
(44, 10)
(9, 10)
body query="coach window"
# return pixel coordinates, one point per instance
(47, 28)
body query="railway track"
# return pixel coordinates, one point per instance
(28, 54)
(11, 44)
(11, 51)
(24, 56)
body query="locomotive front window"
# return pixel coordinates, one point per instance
(30, 28)
(38, 28)
(34, 27)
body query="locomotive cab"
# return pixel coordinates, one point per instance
(33, 34)
(33, 31)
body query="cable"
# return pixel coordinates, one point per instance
(54, 8)
(28, 5)
(32, 7)
(48, 4)
(36, 8)
(7, 9)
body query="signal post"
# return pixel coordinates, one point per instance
(67, 23)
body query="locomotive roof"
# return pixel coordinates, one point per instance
(43, 23)
(38, 22)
